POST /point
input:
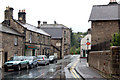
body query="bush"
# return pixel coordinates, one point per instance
(115, 40)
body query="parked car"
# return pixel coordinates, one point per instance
(52, 59)
(42, 59)
(16, 63)
(32, 61)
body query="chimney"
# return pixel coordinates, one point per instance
(44, 22)
(8, 13)
(89, 31)
(38, 24)
(113, 2)
(55, 22)
(22, 16)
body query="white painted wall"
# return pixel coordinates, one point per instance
(84, 45)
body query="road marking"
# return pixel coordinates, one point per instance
(40, 75)
(73, 74)
(73, 71)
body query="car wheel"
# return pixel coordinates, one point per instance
(19, 67)
(37, 65)
(32, 66)
(45, 63)
(27, 67)
(6, 69)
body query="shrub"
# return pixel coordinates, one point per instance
(115, 40)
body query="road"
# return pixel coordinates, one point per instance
(55, 70)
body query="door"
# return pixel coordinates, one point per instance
(33, 52)
(5, 56)
(83, 53)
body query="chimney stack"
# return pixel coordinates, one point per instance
(55, 22)
(22, 16)
(39, 24)
(8, 13)
(113, 2)
(44, 22)
(89, 31)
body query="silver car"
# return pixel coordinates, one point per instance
(42, 59)
(32, 61)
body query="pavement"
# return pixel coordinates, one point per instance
(86, 72)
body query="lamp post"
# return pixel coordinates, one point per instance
(79, 40)
(88, 43)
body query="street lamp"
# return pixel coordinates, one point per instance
(79, 40)
(88, 43)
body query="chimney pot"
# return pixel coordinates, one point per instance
(39, 24)
(44, 22)
(55, 22)
(24, 10)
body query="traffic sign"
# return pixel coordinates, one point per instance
(88, 43)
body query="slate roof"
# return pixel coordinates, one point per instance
(8, 30)
(55, 30)
(105, 12)
(33, 28)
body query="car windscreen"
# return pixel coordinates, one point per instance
(17, 58)
(29, 58)
(40, 57)
(51, 56)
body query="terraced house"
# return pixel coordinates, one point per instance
(60, 40)
(20, 38)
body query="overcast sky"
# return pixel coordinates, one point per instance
(72, 13)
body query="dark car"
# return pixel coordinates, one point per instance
(52, 59)
(16, 63)
(32, 61)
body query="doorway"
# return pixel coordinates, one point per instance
(33, 52)
(5, 56)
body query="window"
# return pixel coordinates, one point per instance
(65, 40)
(15, 41)
(30, 38)
(65, 33)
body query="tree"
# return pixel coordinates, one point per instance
(115, 40)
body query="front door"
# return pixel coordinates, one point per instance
(83, 53)
(5, 57)
(33, 53)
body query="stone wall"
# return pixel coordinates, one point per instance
(107, 62)
(57, 43)
(9, 47)
(103, 31)
(16, 26)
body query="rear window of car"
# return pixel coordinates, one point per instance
(40, 57)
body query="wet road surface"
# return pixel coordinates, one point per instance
(54, 70)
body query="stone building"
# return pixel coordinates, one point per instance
(36, 40)
(60, 39)
(105, 21)
(11, 44)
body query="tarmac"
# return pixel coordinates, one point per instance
(86, 72)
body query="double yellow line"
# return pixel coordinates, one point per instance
(74, 72)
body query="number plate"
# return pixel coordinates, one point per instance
(38, 60)
(9, 65)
